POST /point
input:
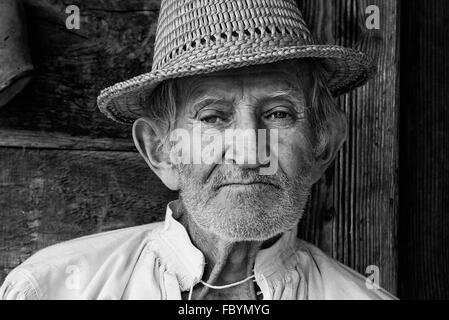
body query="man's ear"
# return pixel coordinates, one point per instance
(337, 131)
(149, 141)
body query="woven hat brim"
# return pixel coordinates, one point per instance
(346, 68)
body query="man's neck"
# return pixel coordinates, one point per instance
(226, 262)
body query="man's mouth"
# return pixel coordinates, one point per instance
(247, 184)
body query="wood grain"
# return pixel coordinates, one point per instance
(46, 140)
(114, 43)
(353, 210)
(48, 196)
(424, 165)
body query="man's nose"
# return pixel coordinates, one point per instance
(242, 142)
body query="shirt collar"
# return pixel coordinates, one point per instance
(183, 259)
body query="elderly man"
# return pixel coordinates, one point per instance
(230, 72)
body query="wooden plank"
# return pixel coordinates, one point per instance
(114, 43)
(424, 219)
(46, 140)
(353, 211)
(48, 196)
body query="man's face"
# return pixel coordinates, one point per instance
(233, 199)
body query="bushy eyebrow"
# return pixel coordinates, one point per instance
(294, 97)
(204, 101)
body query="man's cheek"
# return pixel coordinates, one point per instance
(212, 147)
(295, 160)
(196, 173)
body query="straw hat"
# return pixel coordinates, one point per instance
(202, 36)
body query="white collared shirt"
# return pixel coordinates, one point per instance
(158, 261)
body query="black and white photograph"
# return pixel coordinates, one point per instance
(227, 150)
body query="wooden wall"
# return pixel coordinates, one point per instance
(66, 171)
(353, 211)
(424, 165)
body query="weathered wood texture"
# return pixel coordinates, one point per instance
(56, 140)
(115, 42)
(424, 165)
(48, 196)
(352, 213)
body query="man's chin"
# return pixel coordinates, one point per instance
(243, 197)
(238, 234)
(247, 222)
(256, 212)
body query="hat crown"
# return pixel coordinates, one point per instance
(192, 31)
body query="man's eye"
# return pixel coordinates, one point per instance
(212, 119)
(279, 115)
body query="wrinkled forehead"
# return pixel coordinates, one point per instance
(289, 76)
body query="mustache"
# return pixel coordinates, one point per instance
(234, 174)
(226, 175)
